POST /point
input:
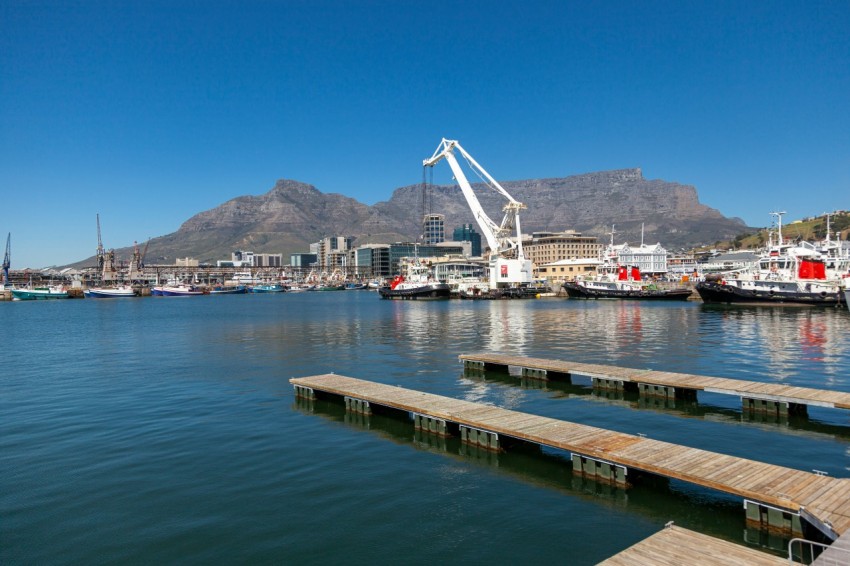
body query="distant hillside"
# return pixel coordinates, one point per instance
(292, 215)
(810, 229)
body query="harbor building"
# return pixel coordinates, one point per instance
(730, 261)
(546, 248)
(186, 262)
(241, 258)
(384, 260)
(303, 260)
(332, 253)
(557, 272)
(466, 233)
(651, 260)
(434, 228)
(268, 260)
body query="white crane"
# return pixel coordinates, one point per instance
(508, 266)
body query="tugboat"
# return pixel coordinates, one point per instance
(786, 274)
(621, 282)
(416, 285)
(795, 275)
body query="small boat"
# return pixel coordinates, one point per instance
(356, 286)
(472, 288)
(229, 290)
(621, 282)
(268, 288)
(39, 293)
(416, 285)
(179, 290)
(118, 291)
(330, 288)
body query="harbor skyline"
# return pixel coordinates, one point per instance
(149, 114)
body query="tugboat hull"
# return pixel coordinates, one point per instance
(575, 291)
(714, 292)
(429, 292)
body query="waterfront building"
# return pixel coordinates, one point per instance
(384, 260)
(268, 260)
(466, 233)
(680, 265)
(332, 253)
(303, 260)
(557, 272)
(186, 262)
(239, 258)
(651, 260)
(546, 248)
(433, 228)
(448, 269)
(730, 261)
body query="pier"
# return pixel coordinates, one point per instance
(775, 497)
(770, 398)
(675, 545)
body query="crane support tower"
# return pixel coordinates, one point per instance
(508, 266)
(7, 261)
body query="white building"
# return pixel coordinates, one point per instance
(651, 260)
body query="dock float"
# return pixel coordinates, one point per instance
(775, 497)
(675, 545)
(771, 398)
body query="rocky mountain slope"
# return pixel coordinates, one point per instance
(292, 215)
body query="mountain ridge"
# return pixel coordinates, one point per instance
(293, 214)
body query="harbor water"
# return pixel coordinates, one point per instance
(165, 430)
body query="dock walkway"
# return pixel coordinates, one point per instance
(756, 396)
(774, 495)
(674, 545)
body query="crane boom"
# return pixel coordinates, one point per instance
(503, 270)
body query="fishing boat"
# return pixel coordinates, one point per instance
(471, 288)
(268, 288)
(176, 290)
(417, 284)
(118, 291)
(39, 293)
(355, 286)
(229, 290)
(621, 282)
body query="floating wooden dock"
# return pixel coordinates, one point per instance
(774, 497)
(674, 545)
(756, 396)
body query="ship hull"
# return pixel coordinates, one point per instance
(429, 292)
(575, 291)
(714, 292)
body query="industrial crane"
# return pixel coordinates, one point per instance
(508, 265)
(100, 253)
(7, 260)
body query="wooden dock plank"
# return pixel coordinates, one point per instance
(825, 497)
(755, 389)
(674, 546)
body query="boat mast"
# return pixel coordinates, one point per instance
(778, 216)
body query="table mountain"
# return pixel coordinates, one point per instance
(292, 215)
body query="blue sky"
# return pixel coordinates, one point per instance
(149, 112)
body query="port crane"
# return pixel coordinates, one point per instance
(508, 265)
(7, 260)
